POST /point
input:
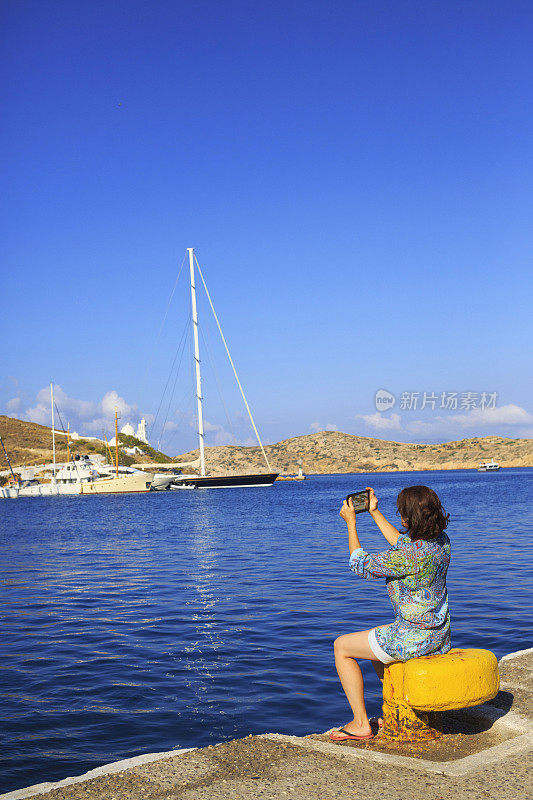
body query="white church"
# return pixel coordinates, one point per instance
(129, 430)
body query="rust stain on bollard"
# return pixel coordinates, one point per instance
(403, 723)
(415, 692)
(400, 721)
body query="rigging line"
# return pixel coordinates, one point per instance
(170, 374)
(64, 431)
(233, 366)
(172, 393)
(154, 346)
(204, 340)
(192, 387)
(180, 420)
(60, 418)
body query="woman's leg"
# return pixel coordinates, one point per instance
(347, 649)
(379, 666)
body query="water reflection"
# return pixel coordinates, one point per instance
(188, 618)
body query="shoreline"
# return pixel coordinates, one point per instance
(275, 765)
(321, 453)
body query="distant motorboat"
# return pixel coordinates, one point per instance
(489, 466)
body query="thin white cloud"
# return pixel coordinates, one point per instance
(69, 407)
(501, 415)
(380, 422)
(112, 400)
(14, 405)
(476, 419)
(224, 437)
(473, 421)
(170, 426)
(452, 424)
(208, 426)
(84, 416)
(315, 427)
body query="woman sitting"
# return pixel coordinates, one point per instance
(415, 569)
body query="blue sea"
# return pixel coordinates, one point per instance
(142, 623)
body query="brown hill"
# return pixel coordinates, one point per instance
(323, 452)
(331, 451)
(29, 443)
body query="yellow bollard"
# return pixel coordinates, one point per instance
(416, 691)
(400, 720)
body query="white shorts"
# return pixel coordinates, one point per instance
(378, 651)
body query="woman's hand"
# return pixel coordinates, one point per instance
(372, 500)
(347, 512)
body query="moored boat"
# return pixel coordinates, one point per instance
(75, 477)
(227, 481)
(133, 482)
(204, 481)
(488, 466)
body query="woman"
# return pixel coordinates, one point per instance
(415, 569)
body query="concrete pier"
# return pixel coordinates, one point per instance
(484, 752)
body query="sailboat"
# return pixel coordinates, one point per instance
(204, 481)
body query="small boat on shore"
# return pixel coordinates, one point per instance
(489, 466)
(299, 477)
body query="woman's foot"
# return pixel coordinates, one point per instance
(361, 731)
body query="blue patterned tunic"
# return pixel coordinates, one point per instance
(415, 573)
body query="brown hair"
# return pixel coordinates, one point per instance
(422, 512)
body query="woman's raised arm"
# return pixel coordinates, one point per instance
(390, 533)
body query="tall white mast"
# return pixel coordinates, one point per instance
(197, 362)
(53, 427)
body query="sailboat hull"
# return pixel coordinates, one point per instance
(228, 481)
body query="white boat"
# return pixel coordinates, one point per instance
(489, 466)
(9, 492)
(114, 478)
(203, 480)
(134, 482)
(164, 479)
(79, 476)
(68, 479)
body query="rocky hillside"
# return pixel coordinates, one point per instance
(323, 452)
(332, 451)
(29, 443)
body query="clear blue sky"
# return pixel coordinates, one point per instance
(356, 178)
